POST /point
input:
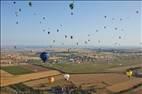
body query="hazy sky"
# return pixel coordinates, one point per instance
(88, 17)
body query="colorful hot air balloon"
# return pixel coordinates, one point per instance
(44, 56)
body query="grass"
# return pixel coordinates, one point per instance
(91, 67)
(16, 70)
(79, 68)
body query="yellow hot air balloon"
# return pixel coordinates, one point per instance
(129, 73)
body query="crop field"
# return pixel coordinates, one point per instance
(5, 74)
(16, 70)
(102, 82)
(91, 67)
(104, 76)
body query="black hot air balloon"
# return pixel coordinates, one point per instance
(71, 5)
(30, 4)
(44, 56)
(137, 11)
(48, 32)
(19, 9)
(57, 30)
(14, 2)
(65, 36)
(71, 37)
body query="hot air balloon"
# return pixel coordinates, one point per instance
(71, 37)
(71, 13)
(137, 11)
(16, 22)
(14, 2)
(115, 28)
(30, 4)
(85, 42)
(16, 13)
(48, 32)
(104, 27)
(53, 41)
(51, 79)
(71, 5)
(67, 76)
(19, 9)
(15, 47)
(119, 37)
(57, 30)
(77, 43)
(44, 56)
(65, 36)
(43, 30)
(43, 18)
(105, 17)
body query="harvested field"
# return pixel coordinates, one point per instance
(125, 85)
(108, 78)
(138, 92)
(27, 77)
(5, 74)
(99, 80)
(44, 82)
(102, 82)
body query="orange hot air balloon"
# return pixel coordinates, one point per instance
(51, 79)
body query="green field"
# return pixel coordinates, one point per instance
(78, 68)
(91, 67)
(16, 70)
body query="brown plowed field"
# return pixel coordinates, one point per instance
(108, 78)
(125, 85)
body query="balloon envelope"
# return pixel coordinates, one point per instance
(71, 6)
(66, 76)
(44, 56)
(51, 79)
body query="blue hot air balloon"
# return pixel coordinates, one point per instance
(44, 56)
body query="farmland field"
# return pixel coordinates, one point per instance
(92, 67)
(16, 70)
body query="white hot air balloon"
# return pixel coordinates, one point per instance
(67, 76)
